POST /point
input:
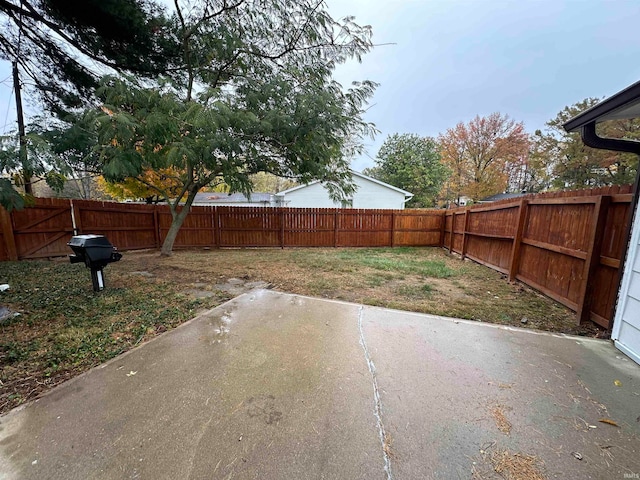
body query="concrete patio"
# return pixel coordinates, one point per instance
(276, 386)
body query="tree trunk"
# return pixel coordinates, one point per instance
(178, 220)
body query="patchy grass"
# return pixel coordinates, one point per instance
(406, 278)
(64, 328)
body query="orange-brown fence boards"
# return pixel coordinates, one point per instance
(364, 228)
(417, 227)
(198, 228)
(7, 241)
(128, 226)
(249, 227)
(447, 235)
(457, 236)
(43, 229)
(490, 234)
(606, 277)
(309, 227)
(555, 245)
(565, 244)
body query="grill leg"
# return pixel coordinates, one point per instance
(97, 277)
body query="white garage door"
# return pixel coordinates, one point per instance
(626, 326)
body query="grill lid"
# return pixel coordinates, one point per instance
(84, 241)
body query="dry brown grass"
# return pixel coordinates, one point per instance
(517, 466)
(423, 280)
(502, 423)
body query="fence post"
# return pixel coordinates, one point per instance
(523, 215)
(453, 228)
(464, 233)
(7, 233)
(335, 228)
(216, 227)
(156, 226)
(592, 261)
(76, 218)
(281, 228)
(393, 225)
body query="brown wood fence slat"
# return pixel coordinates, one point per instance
(567, 245)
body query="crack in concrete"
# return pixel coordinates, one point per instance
(377, 410)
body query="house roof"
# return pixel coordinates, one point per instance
(222, 198)
(356, 174)
(501, 196)
(623, 105)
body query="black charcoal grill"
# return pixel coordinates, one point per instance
(96, 252)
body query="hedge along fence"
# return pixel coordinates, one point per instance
(567, 245)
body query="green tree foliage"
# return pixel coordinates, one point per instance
(57, 151)
(41, 165)
(60, 48)
(573, 164)
(411, 162)
(253, 92)
(55, 41)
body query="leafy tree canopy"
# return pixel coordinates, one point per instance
(573, 164)
(412, 163)
(481, 153)
(61, 45)
(254, 93)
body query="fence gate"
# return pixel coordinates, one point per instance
(42, 230)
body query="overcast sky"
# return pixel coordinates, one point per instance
(455, 59)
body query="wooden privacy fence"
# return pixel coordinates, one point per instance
(567, 245)
(44, 229)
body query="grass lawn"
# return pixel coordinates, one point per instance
(63, 328)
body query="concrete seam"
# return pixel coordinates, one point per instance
(377, 409)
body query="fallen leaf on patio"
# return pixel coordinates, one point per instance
(617, 383)
(131, 373)
(608, 422)
(577, 455)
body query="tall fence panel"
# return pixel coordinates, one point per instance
(417, 227)
(249, 227)
(309, 227)
(41, 230)
(198, 228)
(365, 228)
(127, 225)
(567, 245)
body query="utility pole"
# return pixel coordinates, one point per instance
(26, 171)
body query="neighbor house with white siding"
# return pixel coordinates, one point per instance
(370, 193)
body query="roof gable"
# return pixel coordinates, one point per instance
(355, 174)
